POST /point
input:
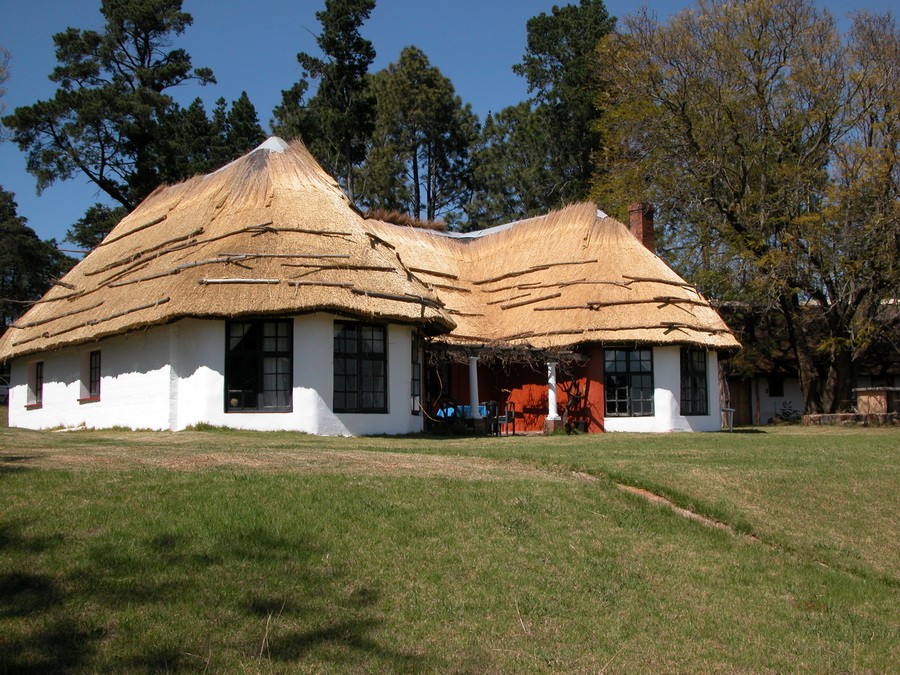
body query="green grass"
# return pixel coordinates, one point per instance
(224, 551)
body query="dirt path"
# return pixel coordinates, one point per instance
(187, 458)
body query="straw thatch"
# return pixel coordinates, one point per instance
(271, 233)
(551, 282)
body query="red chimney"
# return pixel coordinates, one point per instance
(641, 220)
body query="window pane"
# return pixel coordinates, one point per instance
(694, 388)
(360, 367)
(629, 382)
(258, 367)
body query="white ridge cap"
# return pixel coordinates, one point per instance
(273, 144)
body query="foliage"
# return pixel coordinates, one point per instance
(4, 76)
(109, 114)
(191, 144)
(512, 167)
(27, 265)
(336, 122)
(555, 129)
(770, 148)
(197, 144)
(418, 161)
(89, 230)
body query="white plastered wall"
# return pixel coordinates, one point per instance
(667, 396)
(171, 377)
(133, 385)
(767, 406)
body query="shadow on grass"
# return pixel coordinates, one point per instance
(52, 642)
(61, 646)
(59, 622)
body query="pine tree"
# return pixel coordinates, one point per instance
(539, 156)
(419, 161)
(107, 118)
(337, 121)
(27, 264)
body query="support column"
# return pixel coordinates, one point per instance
(474, 409)
(553, 421)
(552, 405)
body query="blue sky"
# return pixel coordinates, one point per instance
(252, 47)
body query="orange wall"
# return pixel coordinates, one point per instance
(527, 389)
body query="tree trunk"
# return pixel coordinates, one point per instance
(349, 169)
(430, 182)
(806, 367)
(838, 389)
(417, 189)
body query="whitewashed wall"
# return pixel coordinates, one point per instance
(171, 377)
(767, 407)
(667, 396)
(133, 386)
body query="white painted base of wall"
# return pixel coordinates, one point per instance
(172, 377)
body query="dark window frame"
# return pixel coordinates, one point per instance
(360, 368)
(93, 383)
(694, 382)
(415, 383)
(91, 374)
(259, 366)
(35, 391)
(628, 382)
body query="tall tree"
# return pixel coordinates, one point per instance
(99, 219)
(27, 265)
(771, 147)
(512, 167)
(104, 121)
(419, 160)
(190, 143)
(557, 128)
(196, 144)
(244, 131)
(4, 76)
(337, 121)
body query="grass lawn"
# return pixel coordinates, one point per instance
(224, 551)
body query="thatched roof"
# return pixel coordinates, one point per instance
(270, 233)
(574, 275)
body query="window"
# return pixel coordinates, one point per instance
(776, 387)
(90, 377)
(629, 382)
(94, 375)
(259, 365)
(415, 385)
(694, 384)
(360, 368)
(35, 397)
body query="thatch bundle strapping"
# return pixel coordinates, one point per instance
(294, 244)
(602, 282)
(272, 208)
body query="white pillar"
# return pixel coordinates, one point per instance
(552, 407)
(474, 409)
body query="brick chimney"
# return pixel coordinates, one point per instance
(641, 221)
